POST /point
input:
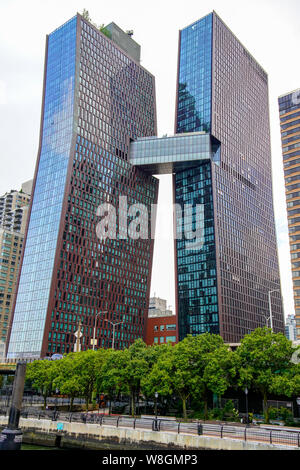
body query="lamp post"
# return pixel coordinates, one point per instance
(270, 306)
(94, 335)
(267, 319)
(247, 414)
(114, 327)
(11, 436)
(156, 396)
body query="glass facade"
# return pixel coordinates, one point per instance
(196, 282)
(196, 269)
(246, 244)
(97, 98)
(169, 154)
(195, 77)
(36, 274)
(289, 110)
(222, 90)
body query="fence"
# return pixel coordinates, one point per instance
(253, 434)
(30, 400)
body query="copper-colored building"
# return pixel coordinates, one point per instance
(96, 98)
(289, 109)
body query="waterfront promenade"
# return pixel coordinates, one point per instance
(88, 431)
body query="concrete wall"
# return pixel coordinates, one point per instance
(93, 436)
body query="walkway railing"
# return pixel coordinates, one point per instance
(223, 431)
(29, 400)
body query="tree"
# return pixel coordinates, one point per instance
(102, 356)
(67, 379)
(220, 370)
(42, 375)
(85, 14)
(180, 369)
(261, 355)
(125, 369)
(206, 346)
(287, 383)
(85, 367)
(159, 377)
(112, 374)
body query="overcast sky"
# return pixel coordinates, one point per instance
(269, 29)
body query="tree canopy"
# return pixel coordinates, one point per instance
(193, 368)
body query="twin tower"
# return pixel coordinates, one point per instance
(98, 144)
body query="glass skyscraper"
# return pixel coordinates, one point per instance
(222, 111)
(96, 98)
(289, 110)
(98, 142)
(223, 91)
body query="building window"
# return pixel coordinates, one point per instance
(171, 338)
(171, 327)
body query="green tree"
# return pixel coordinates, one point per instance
(124, 370)
(158, 379)
(220, 370)
(180, 370)
(206, 347)
(111, 379)
(287, 383)
(85, 14)
(42, 375)
(87, 374)
(102, 385)
(67, 379)
(261, 355)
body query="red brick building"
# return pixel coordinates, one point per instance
(161, 324)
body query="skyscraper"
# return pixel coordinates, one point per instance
(220, 158)
(98, 142)
(289, 109)
(13, 217)
(96, 98)
(290, 328)
(224, 289)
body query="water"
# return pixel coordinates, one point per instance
(34, 447)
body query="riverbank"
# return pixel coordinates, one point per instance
(86, 436)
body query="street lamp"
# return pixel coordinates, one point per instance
(270, 306)
(156, 395)
(247, 414)
(267, 319)
(94, 335)
(114, 326)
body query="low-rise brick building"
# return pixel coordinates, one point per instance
(161, 324)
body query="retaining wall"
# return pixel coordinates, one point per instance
(93, 436)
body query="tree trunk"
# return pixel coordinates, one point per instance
(110, 397)
(71, 404)
(132, 404)
(184, 407)
(266, 408)
(205, 405)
